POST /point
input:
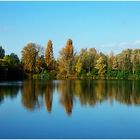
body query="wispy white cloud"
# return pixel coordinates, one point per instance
(137, 43)
(118, 47)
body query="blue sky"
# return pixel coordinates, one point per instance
(106, 26)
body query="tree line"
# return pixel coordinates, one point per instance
(39, 63)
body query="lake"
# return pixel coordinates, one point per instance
(70, 109)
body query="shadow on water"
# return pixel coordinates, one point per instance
(36, 93)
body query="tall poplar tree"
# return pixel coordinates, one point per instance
(49, 58)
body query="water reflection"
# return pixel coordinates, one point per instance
(9, 90)
(30, 94)
(33, 93)
(49, 89)
(66, 94)
(36, 94)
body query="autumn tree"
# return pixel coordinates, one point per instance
(30, 55)
(112, 65)
(124, 60)
(135, 60)
(40, 64)
(92, 58)
(78, 66)
(66, 60)
(110, 60)
(49, 58)
(124, 63)
(127, 60)
(83, 58)
(115, 63)
(101, 66)
(86, 61)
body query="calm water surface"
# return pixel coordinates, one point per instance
(70, 109)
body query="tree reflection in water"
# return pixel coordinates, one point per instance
(86, 92)
(66, 92)
(8, 90)
(33, 92)
(49, 89)
(30, 94)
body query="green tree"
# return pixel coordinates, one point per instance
(112, 65)
(88, 59)
(124, 63)
(2, 52)
(92, 58)
(12, 60)
(124, 59)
